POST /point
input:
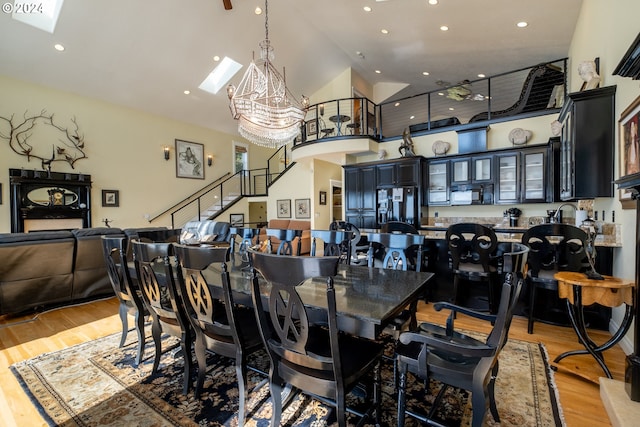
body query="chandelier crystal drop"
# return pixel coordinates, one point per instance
(266, 111)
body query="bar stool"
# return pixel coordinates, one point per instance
(553, 248)
(472, 248)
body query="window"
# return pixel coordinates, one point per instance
(240, 156)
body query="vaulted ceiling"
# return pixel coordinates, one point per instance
(144, 54)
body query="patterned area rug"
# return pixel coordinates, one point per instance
(97, 384)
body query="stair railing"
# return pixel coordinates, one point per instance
(213, 200)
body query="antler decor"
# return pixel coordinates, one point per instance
(68, 147)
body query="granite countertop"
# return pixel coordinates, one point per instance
(514, 234)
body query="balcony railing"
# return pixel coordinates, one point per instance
(529, 91)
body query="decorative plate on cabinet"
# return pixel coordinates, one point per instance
(440, 147)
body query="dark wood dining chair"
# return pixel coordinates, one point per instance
(128, 294)
(472, 250)
(354, 250)
(332, 240)
(168, 235)
(153, 268)
(306, 350)
(454, 358)
(398, 227)
(553, 248)
(241, 239)
(221, 326)
(286, 237)
(395, 249)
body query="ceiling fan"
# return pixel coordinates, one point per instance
(227, 4)
(461, 92)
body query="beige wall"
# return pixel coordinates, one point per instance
(323, 173)
(606, 32)
(296, 183)
(124, 149)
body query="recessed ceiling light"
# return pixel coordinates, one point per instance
(216, 58)
(258, 11)
(440, 93)
(451, 109)
(187, 92)
(425, 73)
(367, 9)
(384, 31)
(444, 28)
(522, 24)
(58, 47)
(482, 76)
(378, 71)
(433, 2)
(412, 117)
(397, 104)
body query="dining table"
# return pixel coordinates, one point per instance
(339, 120)
(368, 298)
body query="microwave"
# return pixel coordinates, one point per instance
(472, 195)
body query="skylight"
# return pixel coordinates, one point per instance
(220, 75)
(42, 14)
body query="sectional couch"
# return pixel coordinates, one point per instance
(290, 224)
(47, 268)
(52, 268)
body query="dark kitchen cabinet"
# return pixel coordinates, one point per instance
(360, 195)
(405, 172)
(587, 144)
(399, 181)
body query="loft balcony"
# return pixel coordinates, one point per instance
(527, 92)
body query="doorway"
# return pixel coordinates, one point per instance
(336, 200)
(257, 214)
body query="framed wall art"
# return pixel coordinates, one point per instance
(323, 197)
(236, 220)
(629, 147)
(303, 208)
(189, 159)
(110, 198)
(312, 127)
(284, 208)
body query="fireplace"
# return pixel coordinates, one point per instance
(42, 200)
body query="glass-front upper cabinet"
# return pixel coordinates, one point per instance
(507, 190)
(523, 177)
(534, 176)
(461, 171)
(438, 182)
(481, 169)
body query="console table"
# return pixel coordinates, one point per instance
(581, 291)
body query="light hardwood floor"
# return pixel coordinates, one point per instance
(65, 327)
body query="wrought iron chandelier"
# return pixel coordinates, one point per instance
(266, 111)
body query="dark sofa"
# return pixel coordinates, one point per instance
(48, 268)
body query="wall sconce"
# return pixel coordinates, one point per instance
(209, 160)
(321, 106)
(166, 152)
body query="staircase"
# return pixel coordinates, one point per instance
(212, 200)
